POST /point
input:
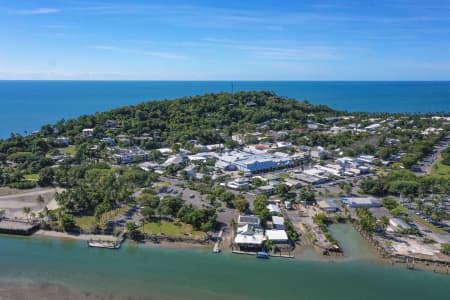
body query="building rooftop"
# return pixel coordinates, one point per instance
(277, 220)
(276, 235)
(249, 219)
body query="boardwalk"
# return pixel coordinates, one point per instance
(216, 248)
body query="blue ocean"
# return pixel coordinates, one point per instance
(26, 105)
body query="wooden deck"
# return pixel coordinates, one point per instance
(18, 227)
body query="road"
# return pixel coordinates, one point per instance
(423, 167)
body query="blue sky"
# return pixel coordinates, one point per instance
(225, 40)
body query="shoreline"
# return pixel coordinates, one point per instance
(301, 253)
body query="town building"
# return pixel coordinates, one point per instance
(248, 219)
(398, 224)
(277, 236)
(62, 141)
(373, 127)
(310, 179)
(88, 132)
(278, 223)
(293, 183)
(319, 153)
(366, 202)
(254, 162)
(327, 206)
(108, 141)
(241, 183)
(273, 208)
(266, 189)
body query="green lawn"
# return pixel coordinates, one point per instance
(31, 177)
(428, 225)
(171, 229)
(88, 223)
(70, 150)
(422, 221)
(439, 169)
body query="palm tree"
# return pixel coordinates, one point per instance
(27, 211)
(40, 200)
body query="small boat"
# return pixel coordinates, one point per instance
(104, 244)
(262, 254)
(216, 250)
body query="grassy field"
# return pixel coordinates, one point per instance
(88, 223)
(31, 177)
(422, 222)
(171, 229)
(428, 225)
(439, 169)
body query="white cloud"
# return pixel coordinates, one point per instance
(160, 54)
(36, 11)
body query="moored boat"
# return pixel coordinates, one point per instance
(262, 254)
(104, 244)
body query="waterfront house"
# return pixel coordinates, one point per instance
(277, 236)
(278, 223)
(249, 237)
(248, 219)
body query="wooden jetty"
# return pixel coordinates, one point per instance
(269, 254)
(106, 243)
(18, 227)
(216, 248)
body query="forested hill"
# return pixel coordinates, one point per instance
(206, 118)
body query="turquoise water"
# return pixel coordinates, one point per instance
(352, 244)
(26, 105)
(160, 273)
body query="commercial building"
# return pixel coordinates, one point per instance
(310, 179)
(356, 202)
(254, 162)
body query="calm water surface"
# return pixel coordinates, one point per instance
(27, 105)
(195, 274)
